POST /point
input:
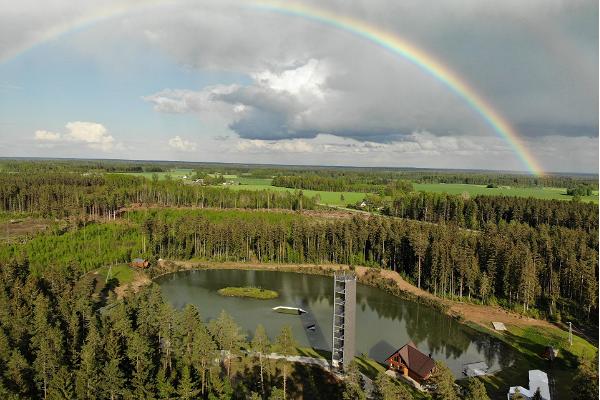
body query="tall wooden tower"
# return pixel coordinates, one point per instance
(344, 313)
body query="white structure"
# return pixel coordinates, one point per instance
(476, 369)
(537, 380)
(499, 326)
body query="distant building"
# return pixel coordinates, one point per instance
(140, 263)
(411, 362)
(537, 380)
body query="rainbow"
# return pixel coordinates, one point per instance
(361, 29)
(421, 59)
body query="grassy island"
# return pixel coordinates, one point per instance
(252, 292)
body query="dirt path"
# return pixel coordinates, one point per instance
(481, 315)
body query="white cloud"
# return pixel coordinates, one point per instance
(93, 135)
(46, 136)
(180, 144)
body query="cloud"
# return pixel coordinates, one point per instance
(93, 135)
(180, 144)
(45, 136)
(302, 80)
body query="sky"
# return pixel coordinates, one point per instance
(234, 81)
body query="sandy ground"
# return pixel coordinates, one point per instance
(479, 314)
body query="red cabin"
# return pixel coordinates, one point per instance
(410, 361)
(140, 263)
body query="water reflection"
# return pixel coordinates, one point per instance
(383, 322)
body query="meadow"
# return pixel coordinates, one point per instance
(481, 190)
(335, 198)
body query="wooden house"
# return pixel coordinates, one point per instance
(410, 361)
(140, 263)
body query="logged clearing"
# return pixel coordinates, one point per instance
(12, 229)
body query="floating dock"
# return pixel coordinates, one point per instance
(289, 310)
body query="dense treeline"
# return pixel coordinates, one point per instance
(64, 194)
(331, 184)
(346, 176)
(374, 182)
(513, 262)
(57, 343)
(545, 268)
(477, 212)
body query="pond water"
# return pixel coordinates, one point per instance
(383, 322)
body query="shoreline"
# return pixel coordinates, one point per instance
(478, 314)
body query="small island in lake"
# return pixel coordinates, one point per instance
(252, 292)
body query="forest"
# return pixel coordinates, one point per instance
(481, 210)
(63, 336)
(310, 177)
(376, 181)
(64, 194)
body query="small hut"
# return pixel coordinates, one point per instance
(411, 362)
(140, 263)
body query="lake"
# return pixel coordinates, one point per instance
(383, 322)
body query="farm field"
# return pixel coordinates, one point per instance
(327, 198)
(178, 173)
(475, 190)
(334, 198)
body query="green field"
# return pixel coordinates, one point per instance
(334, 198)
(122, 272)
(475, 190)
(178, 173)
(327, 198)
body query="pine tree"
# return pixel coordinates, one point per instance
(443, 380)
(164, 385)
(112, 377)
(285, 345)
(475, 390)
(260, 345)
(187, 387)
(228, 336)
(87, 376)
(385, 389)
(353, 383)
(204, 351)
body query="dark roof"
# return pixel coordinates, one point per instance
(415, 360)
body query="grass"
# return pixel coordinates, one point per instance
(530, 342)
(533, 340)
(326, 198)
(177, 173)
(121, 272)
(476, 190)
(248, 291)
(334, 198)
